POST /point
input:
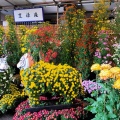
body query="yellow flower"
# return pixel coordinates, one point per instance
(105, 66)
(118, 76)
(105, 74)
(103, 28)
(95, 67)
(32, 85)
(116, 84)
(23, 50)
(115, 70)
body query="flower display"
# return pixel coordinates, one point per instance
(105, 101)
(72, 113)
(62, 80)
(8, 100)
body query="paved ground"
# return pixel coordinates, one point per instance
(7, 116)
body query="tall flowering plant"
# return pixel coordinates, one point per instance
(85, 48)
(100, 15)
(11, 44)
(69, 32)
(77, 44)
(116, 54)
(104, 49)
(2, 38)
(105, 102)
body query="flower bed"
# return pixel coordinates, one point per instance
(71, 113)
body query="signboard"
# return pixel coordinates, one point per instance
(28, 15)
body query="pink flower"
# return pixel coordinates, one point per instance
(54, 55)
(104, 43)
(108, 55)
(47, 59)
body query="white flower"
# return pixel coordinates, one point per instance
(4, 78)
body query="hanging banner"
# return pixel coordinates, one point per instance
(29, 15)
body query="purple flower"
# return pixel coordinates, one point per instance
(90, 86)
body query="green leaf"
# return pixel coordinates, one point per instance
(109, 108)
(104, 116)
(98, 116)
(91, 109)
(94, 94)
(118, 106)
(110, 115)
(90, 100)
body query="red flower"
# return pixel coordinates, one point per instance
(54, 54)
(47, 59)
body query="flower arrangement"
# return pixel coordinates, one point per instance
(8, 101)
(41, 78)
(105, 102)
(65, 114)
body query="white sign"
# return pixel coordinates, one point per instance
(27, 15)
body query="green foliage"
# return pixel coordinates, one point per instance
(12, 46)
(105, 104)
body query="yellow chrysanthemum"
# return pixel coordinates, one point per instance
(118, 76)
(95, 67)
(105, 74)
(23, 49)
(105, 66)
(116, 84)
(115, 70)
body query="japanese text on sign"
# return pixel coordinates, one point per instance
(24, 15)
